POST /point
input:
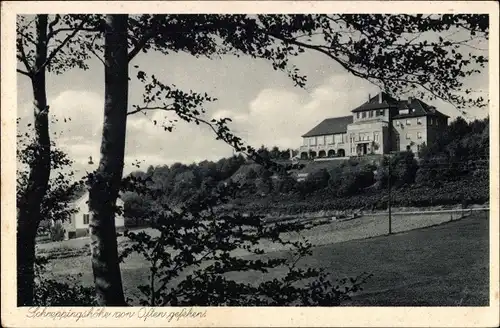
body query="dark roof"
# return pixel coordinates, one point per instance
(418, 108)
(332, 125)
(374, 103)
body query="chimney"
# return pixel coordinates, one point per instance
(380, 98)
(409, 100)
(291, 153)
(369, 97)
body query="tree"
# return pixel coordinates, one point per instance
(106, 180)
(55, 205)
(48, 46)
(460, 141)
(264, 182)
(379, 51)
(197, 249)
(136, 208)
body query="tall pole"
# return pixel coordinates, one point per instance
(389, 127)
(389, 198)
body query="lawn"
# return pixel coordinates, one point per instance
(443, 265)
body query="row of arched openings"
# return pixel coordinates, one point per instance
(322, 154)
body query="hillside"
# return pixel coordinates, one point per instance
(310, 167)
(315, 166)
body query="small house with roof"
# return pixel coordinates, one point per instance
(78, 223)
(379, 126)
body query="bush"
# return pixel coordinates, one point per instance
(201, 243)
(52, 292)
(57, 231)
(351, 179)
(403, 166)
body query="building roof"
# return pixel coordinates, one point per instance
(376, 103)
(332, 125)
(417, 108)
(382, 100)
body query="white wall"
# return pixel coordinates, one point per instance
(83, 208)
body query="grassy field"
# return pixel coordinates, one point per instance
(443, 265)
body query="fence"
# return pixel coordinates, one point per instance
(405, 221)
(324, 230)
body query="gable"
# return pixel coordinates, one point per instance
(380, 101)
(416, 108)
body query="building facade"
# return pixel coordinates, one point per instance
(78, 223)
(379, 126)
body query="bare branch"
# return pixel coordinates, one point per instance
(91, 49)
(83, 29)
(60, 46)
(23, 58)
(56, 20)
(27, 37)
(142, 42)
(23, 73)
(141, 109)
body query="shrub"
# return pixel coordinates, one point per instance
(201, 244)
(350, 179)
(52, 292)
(57, 231)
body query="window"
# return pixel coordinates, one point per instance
(430, 121)
(357, 115)
(419, 135)
(419, 121)
(329, 139)
(381, 112)
(338, 138)
(371, 113)
(305, 142)
(437, 122)
(408, 136)
(312, 141)
(363, 115)
(375, 136)
(408, 122)
(86, 218)
(321, 140)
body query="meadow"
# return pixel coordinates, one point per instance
(429, 260)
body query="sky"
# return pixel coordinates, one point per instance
(264, 104)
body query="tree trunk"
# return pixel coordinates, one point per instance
(29, 211)
(107, 178)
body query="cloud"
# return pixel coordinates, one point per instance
(276, 116)
(279, 117)
(273, 116)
